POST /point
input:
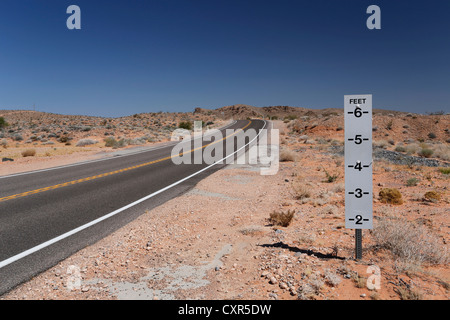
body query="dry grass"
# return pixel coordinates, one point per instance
(28, 153)
(280, 218)
(409, 242)
(287, 155)
(391, 196)
(301, 190)
(432, 196)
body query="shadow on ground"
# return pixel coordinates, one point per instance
(308, 252)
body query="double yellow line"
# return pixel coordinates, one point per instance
(65, 184)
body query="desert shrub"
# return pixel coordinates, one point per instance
(28, 153)
(137, 141)
(391, 196)
(445, 170)
(432, 196)
(85, 142)
(389, 124)
(17, 137)
(330, 177)
(426, 153)
(287, 155)
(380, 144)
(310, 289)
(3, 123)
(110, 142)
(412, 148)
(400, 149)
(301, 190)
(412, 182)
(64, 139)
(185, 125)
(409, 242)
(442, 151)
(332, 278)
(280, 218)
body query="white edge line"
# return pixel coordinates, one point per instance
(109, 215)
(169, 143)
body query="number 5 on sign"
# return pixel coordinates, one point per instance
(358, 161)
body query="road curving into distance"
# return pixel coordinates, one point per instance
(48, 215)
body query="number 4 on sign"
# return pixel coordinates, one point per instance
(359, 166)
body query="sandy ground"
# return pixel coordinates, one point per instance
(217, 242)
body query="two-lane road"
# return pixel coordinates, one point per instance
(45, 216)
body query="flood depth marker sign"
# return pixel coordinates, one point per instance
(358, 165)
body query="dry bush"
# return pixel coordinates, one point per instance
(442, 151)
(301, 190)
(28, 153)
(85, 142)
(409, 242)
(287, 155)
(432, 196)
(390, 195)
(280, 218)
(310, 289)
(332, 278)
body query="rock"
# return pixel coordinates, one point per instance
(273, 295)
(283, 285)
(273, 280)
(363, 295)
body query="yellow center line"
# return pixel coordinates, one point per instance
(24, 194)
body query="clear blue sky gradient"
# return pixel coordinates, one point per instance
(147, 56)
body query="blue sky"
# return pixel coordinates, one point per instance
(147, 56)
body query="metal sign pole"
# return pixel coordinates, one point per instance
(358, 166)
(358, 244)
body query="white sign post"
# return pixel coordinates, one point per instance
(358, 165)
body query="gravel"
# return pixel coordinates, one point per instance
(397, 157)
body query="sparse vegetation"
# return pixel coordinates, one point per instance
(426, 152)
(391, 196)
(287, 155)
(185, 125)
(280, 218)
(29, 153)
(330, 177)
(86, 142)
(432, 196)
(412, 182)
(301, 190)
(3, 123)
(409, 242)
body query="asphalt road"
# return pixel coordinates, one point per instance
(46, 216)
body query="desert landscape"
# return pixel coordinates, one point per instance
(241, 235)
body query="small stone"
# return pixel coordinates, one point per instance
(273, 280)
(363, 295)
(283, 285)
(273, 295)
